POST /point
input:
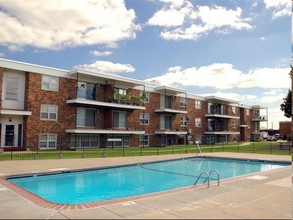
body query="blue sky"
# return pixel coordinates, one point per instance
(238, 49)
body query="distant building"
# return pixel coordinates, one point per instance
(285, 128)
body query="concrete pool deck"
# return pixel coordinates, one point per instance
(266, 195)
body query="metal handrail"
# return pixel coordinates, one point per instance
(218, 175)
(207, 178)
(198, 147)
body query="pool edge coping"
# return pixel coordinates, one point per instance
(51, 205)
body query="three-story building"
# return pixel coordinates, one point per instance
(49, 108)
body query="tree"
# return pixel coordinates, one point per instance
(286, 106)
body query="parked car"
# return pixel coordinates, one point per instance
(273, 137)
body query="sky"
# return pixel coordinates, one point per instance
(236, 49)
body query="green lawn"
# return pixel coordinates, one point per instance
(253, 147)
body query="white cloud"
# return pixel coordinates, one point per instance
(184, 21)
(275, 115)
(107, 67)
(57, 24)
(167, 18)
(274, 95)
(97, 53)
(220, 16)
(280, 7)
(224, 76)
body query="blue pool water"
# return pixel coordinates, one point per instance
(93, 185)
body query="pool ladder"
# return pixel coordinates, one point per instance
(208, 177)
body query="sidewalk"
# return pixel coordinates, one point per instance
(262, 195)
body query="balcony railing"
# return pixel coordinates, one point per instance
(259, 118)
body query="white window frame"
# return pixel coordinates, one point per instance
(198, 122)
(183, 102)
(49, 110)
(49, 138)
(197, 104)
(48, 83)
(144, 118)
(183, 121)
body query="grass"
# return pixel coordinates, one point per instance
(253, 147)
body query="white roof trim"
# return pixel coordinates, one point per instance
(27, 67)
(106, 76)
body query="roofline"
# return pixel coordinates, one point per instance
(106, 76)
(22, 66)
(221, 99)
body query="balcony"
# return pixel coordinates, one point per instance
(259, 118)
(220, 130)
(104, 104)
(211, 115)
(219, 113)
(102, 131)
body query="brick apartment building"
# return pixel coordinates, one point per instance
(47, 108)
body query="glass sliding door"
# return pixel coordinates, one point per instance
(120, 119)
(86, 117)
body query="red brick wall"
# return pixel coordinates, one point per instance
(33, 125)
(193, 113)
(285, 128)
(154, 122)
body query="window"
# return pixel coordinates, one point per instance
(84, 140)
(183, 102)
(86, 117)
(120, 91)
(197, 122)
(48, 141)
(143, 140)
(183, 121)
(12, 88)
(234, 125)
(144, 118)
(50, 83)
(120, 119)
(197, 104)
(247, 111)
(165, 101)
(234, 109)
(146, 95)
(49, 112)
(165, 121)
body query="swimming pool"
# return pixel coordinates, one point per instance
(86, 186)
